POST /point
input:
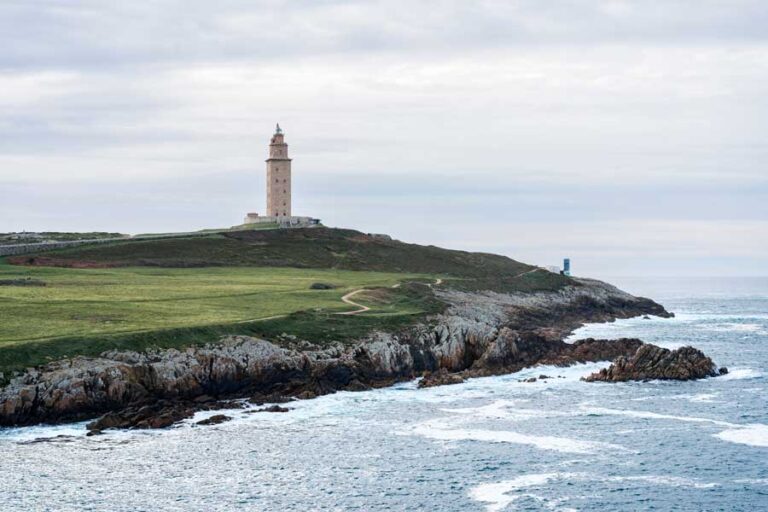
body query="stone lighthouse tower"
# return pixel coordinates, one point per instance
(278, 177)
(279, 189)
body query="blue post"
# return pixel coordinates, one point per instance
(567, 266)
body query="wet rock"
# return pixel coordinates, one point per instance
(62, 438)
(723, 370)
(158, 415)
(274, 398)
(440, 378)
(356, 385)
(532, 379)
(221, 404)
(271, 408)
(651, 362)
(591, 350)
(215, 419)
(542, 377)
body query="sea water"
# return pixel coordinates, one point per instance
(489, 444)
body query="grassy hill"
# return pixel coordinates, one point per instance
(321, 248)
(177, 292)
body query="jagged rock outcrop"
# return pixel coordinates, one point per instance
(216, 419)
(442, 377)
(650, 362)
(479, 334)
(157, 415)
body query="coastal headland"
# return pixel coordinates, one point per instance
(145, 332)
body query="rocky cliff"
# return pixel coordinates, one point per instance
(479, 334)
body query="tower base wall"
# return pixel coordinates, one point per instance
(288, 222)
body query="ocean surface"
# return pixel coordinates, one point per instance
(490, 444)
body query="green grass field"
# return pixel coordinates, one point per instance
(86, 311)
(182, 291)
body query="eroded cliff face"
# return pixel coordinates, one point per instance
(479, 334)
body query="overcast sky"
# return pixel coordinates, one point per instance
(630, 136)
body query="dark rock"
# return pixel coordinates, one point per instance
(158, 415)
(646, 317)
(591, 350)
(63, 438)
(215, 419)
(222, 404)
(271, 408)
(274, 398)
(532, 379)
(440, 378)
(542, 377)
(322, 286)
(356, 385)
(651, 362)
(723, 370)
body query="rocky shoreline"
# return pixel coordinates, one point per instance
(479, 334)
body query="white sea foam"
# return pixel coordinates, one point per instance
(700, 397)
(752, 481)
(753, 435)
(733, 327)
(44, 432)
(703, 397)
(739, 374)
(559, 444)
(653, 415)
(672, 481)
(497, 496)
(504, 409)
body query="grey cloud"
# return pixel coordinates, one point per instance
(40, 33)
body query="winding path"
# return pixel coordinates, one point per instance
(527, 272)
(347, 299)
